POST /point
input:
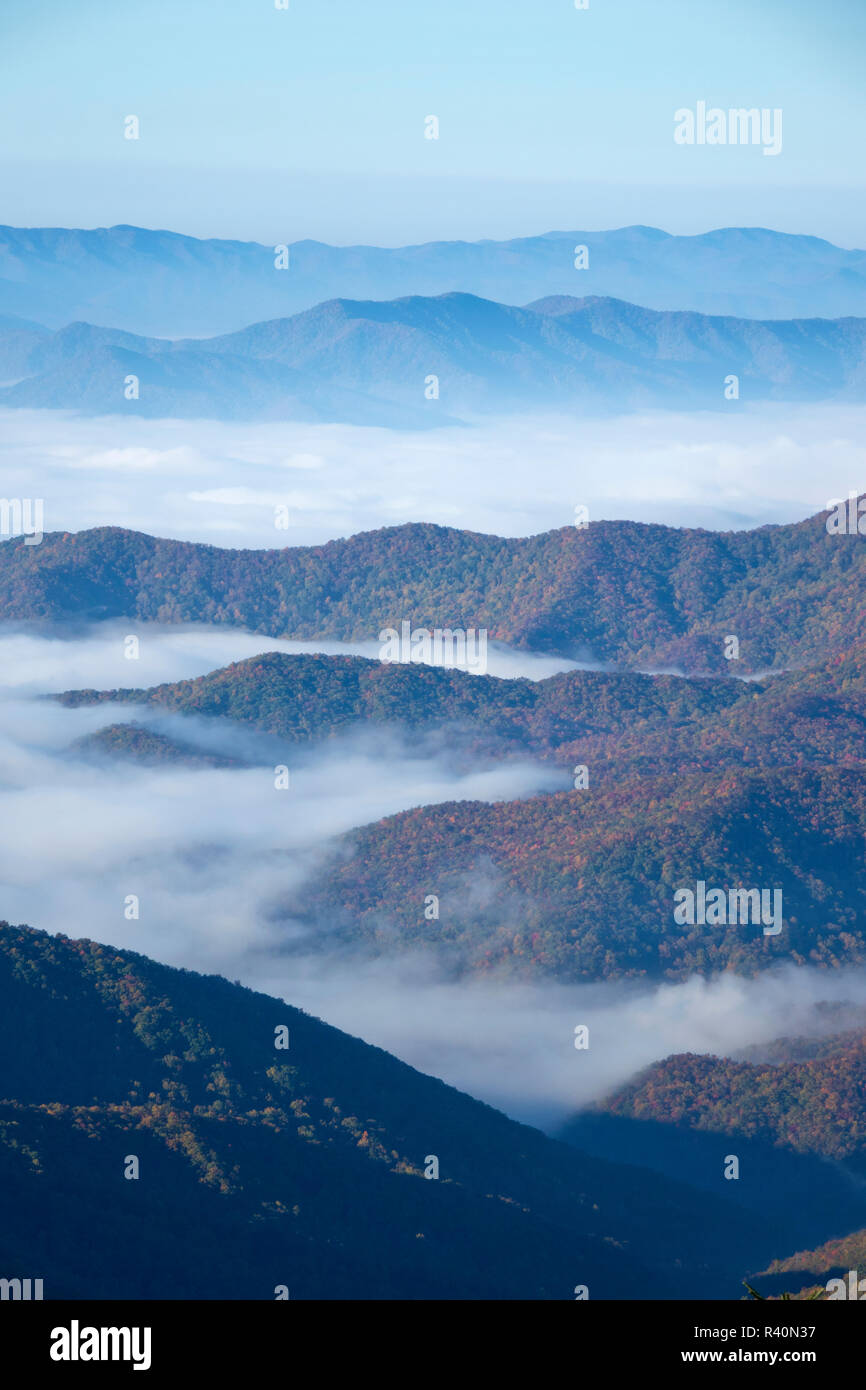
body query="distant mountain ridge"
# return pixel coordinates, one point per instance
(431, 361)
(166, 284)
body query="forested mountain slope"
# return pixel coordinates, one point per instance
(303, 1167)
(625, 592)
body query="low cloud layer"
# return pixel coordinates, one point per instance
(220, 483)
(208, 852)
(513, 1044)
(217, 858)
(95, 658)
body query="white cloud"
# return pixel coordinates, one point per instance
(240, 497)
(202, 480)
(211, 854)
(95, 657)
(512, 1044)
(130, 460)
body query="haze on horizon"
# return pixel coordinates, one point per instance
(253, 123)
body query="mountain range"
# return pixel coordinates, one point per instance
(165, 284)
(624, 724)
(432, 361)
(308, 699)
(738, 784)
(165, 1134)
(626, 593)
(310, 1169)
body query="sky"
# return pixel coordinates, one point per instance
(274, 125)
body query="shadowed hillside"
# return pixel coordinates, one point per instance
(302, 1167)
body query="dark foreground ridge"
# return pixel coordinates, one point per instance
(304, 1167)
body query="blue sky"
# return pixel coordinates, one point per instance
(276, 125)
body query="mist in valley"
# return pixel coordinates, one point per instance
(217, 857)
